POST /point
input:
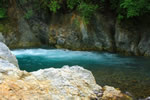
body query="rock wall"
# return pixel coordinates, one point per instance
(20, 29)
(103, 33)
(132, 37)
(32, 27)
(70, 31)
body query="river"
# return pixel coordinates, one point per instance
(129, 73)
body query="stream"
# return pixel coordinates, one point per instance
(129, 73)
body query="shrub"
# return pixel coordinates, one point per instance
(28, 14)
(2, 13)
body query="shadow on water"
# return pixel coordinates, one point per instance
(129, 73)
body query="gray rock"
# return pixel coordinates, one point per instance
(6, 64)
(126, 39)
(144, 43)
(148, 98)
(27, 37)
(5, 54)
(2, 39)
(60, 41)
(78, 35)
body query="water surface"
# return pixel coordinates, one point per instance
(128, 73)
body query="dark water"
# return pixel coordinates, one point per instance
(128, 73)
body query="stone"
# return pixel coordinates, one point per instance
(148, 98)
(2, 39)
(110, 93)
(74, 81)
(66, 83)
(6, 54)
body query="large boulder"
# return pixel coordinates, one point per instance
(70, 82)
(67, 83)
(5, 54)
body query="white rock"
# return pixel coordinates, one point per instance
(73, 81)
(6, 54)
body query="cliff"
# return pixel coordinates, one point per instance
(28, 27)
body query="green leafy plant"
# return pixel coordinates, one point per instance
(28, 14)
(2, 13)
(72, 3)
(124, 9)
(84, 7)
(135, 7)
(54, 5)
(86, 10)
(23, 1)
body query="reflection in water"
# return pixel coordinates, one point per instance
(128, 73)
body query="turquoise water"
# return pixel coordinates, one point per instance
(128, 73)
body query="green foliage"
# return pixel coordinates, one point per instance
(76, 21)
(130, 8)
(84, 7)
(54, 5)
(72, 3)
(3, 8)
(28, 14)
(135, 7)
(87, 10)
(23, 1)
(2, 13)
(44, 3)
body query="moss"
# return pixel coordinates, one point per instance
(6, 27)
(25, 45)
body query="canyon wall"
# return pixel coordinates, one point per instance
(68, 30)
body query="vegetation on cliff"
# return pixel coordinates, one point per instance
(3, 8)
(122, 8)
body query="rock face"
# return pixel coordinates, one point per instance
(67, 83)
(25, 26)
(103, 32)
(70, 31)
(133, 37)
(32, 27)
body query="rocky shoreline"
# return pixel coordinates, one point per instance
(66, 83)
